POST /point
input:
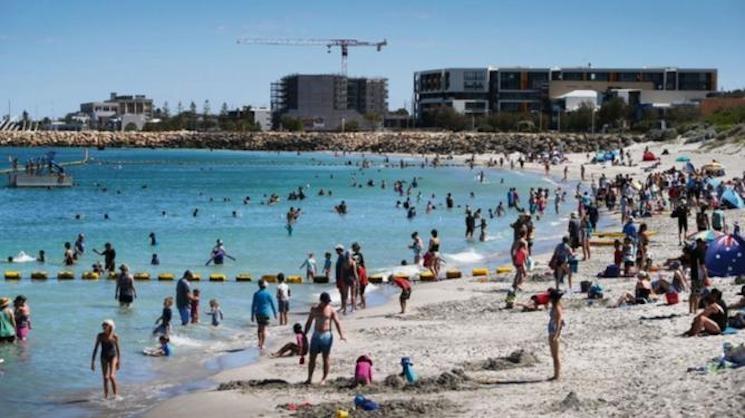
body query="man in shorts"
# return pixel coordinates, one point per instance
(323, 315)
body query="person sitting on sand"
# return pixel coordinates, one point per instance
(643, 292)
(713, 319)
(323, 315)
(298, 348)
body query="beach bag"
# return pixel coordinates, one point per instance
(584, 286)
(553, 264)
(672, 298)
(595, 291)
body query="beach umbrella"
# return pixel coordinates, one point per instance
(682, 159)
(708, 235)
(732, 200)
(714, 169)
(725, 257)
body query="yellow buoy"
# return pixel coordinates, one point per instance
(112, 275)
(269, 278)
(217, 277)
(453, 274)
(427, 276)
(375, 278)
(142, 276)
(506, 268)
(401, 276)
(294, 279)
(602, 242)
(90, 275)
(243, 277)
(39, 275)
(166, 277)
(12, 275)
(65, 275)
(195, 277)
(324, 279)
(480, 272)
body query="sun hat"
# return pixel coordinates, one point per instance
(4, 302)
(340, 247)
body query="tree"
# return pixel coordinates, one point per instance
(206, 108)
(193, 108)
(373, 119)
(166, 110)
(25, 117)
(446, 118)
(130, 127)
(350, 126)
(614, 112)
(179, 108)
(224, 109)
(579, 120)
(291, 124)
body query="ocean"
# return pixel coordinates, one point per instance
(122, 195)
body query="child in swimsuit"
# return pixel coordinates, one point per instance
(363, 370)
(298, 348)
(23, 317)
(215, 312)
(165, 318)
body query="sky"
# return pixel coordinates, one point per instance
(57, 54)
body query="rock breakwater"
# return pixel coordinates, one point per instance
(415, 142)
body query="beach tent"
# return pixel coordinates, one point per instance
(682, 159)
(732, 200)
(649, 156)
(726, 256)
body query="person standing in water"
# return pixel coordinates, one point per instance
(125, 291)
(323, 315)
(183, 297)
(434, 251)
(218, 254)
(417, 246)
(110, 357)
(109, 255)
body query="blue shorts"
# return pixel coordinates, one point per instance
(284, 305)
(184, 311)
(321, 343)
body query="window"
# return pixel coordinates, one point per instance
(509, 81)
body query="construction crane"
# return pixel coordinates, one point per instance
(343, 44)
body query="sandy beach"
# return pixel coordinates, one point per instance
(476, 358)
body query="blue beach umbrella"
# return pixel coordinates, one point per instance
(708, 235)
(732, 200)
(725, 257)
(682, 159)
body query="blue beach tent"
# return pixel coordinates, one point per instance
(732, 200)
(726, 256)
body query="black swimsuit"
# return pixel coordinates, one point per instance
(108, 350)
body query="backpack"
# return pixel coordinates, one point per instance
(595, 292)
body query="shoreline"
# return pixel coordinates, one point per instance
(468, 312)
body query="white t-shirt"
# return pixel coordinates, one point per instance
(283, 292)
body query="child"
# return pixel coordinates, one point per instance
(521, 257)
(298, 348)
(165, 318)
(617, 254)
(163, 350)
(283, 298)
(555, 325)
(327, 265)
(363, 370)
(629, 256)
(195, 307)
(405, 286)
(155, 261)
(23, 317)
(310, 268)
(215, 312)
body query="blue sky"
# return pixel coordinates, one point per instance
(56, 54)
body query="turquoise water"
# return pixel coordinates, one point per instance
(51, 370)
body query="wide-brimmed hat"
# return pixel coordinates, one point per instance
(4, 302)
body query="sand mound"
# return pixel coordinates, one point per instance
(393, 408)
(251, 384)
(519, 358)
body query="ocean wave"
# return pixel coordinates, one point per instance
(465, 257)
(22, 257)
